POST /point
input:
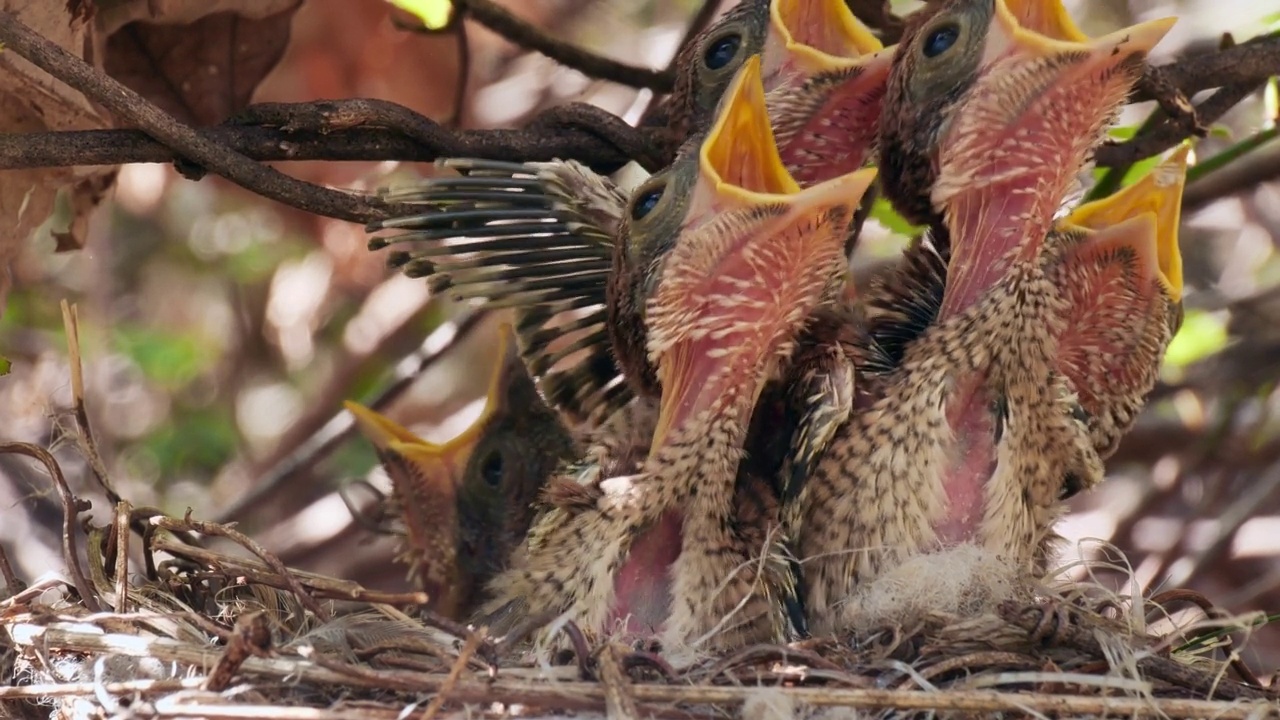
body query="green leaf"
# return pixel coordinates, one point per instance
(1140, 169)
(5, 365)
(200, 444)
(883, 213)
(1123, 132)
(1216, 635)
(1222, 132)
(1202, 335)
(169, 359)
(434, 14)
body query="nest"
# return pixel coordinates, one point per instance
(231, 633)
(152, 620)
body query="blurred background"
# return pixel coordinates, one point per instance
(220, 331)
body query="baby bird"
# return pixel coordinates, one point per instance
(540, 236)
(466, 504)
(991, 109)
(1063, 352)
(685, 549)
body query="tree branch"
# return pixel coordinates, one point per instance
(1247, 63)
(359, 130)
(525, 35)
(1172, 131)
(378, 130)
(878, 15)
(129, 105)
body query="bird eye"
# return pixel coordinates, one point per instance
(645, 201)
(941, 40)
(721, 52)
(1071, 486)
(491, 470)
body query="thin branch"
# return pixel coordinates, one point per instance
(12, 583)
(878, 15)
(463, 81)
(522, 33)
(1172, 131)
(1249, 62)
(132, 107)
(325, 117)
(71, 509)
(248, 543)
(20, 151)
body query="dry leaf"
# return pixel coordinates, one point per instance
(115, 14)
(204, 70)
(32, 101)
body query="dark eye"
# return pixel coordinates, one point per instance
(491, 470)
(940, 40)
(1071, 486)
(721, 52)
(646, 201)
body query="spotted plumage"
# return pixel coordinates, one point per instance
(690, 548)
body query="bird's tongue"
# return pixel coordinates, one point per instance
(970, 463)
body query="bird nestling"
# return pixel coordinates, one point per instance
(540, 236)
(997, 414)
(991, 109)
(465, 504)
(1116, 262)
(685, 550)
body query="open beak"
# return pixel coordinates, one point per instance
(816, 34)
(1042, 98)
(735, 290)
(425, 478)
(1159, 196)
(825, 74)
(1121, 280)
(1047, 17)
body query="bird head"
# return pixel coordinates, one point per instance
(424, 479)
(706, 66)
(991, 109)
(753, 256)
(466, 503)
(1120, 270)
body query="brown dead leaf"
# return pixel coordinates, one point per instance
(204, 70)
(32, 101)
(115, 14)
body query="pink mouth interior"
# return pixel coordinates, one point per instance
(1017, 170)
(837, 138)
